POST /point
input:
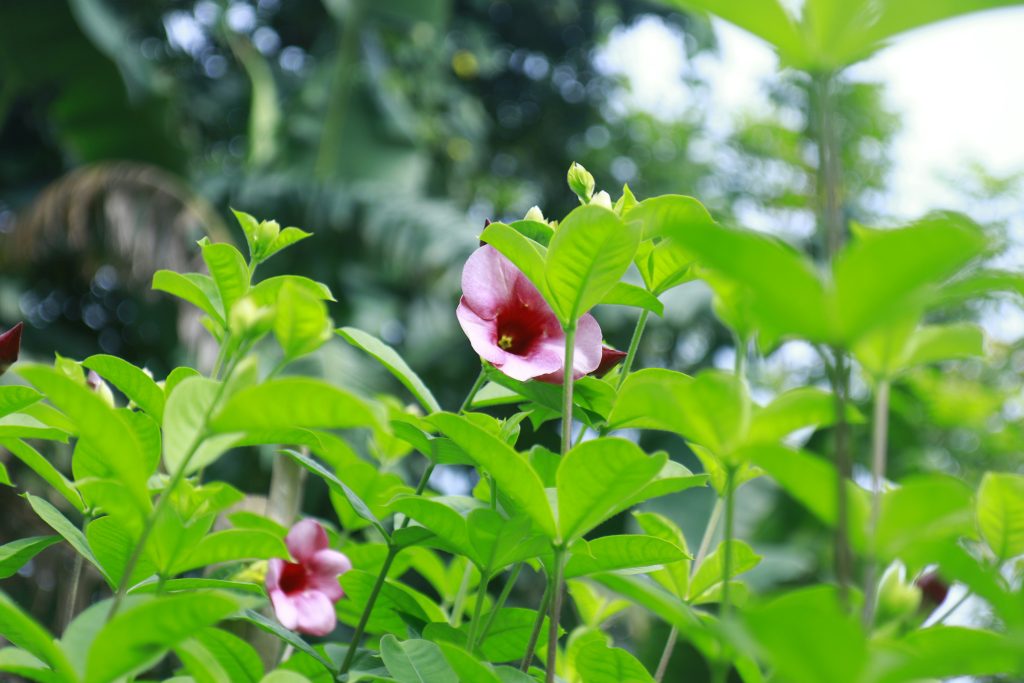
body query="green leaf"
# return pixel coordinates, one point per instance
(229, 271)
(29, 667)
(113, 545)
(415, 661)
(923, 515)
(139, 636)
(301, 323)
(524, 253)
(337, 485)
(288, 637)
(589, 254)
(615, 553)
(13, 398)
(594, 477)
(1001, 513)
(498, 542)
(23, 426)
(249, 226)
(598, 663)
(216, 656)
(712, 569)
(292, 402)
(285, 239)
(390, 359)
(674, 576)
(435, 514)
(199, 290)
(59, 523)
(395, 601)
(792, 410)
(186, 424)
(467, 667)
(516, 478)
(231, 545)
(265, 292)
(912, 259)
(23, 631)
(942, 652)
(45, 469)
(509, 635)
(808, 637)
(936, 343)
(133, 382)
(624, 294)
(15, 554)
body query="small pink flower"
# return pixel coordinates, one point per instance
(304, 592)
(10, 345)
(511, 326)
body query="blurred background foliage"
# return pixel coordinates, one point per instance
(392, 129)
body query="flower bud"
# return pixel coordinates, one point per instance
(535, 214)
(248, 319)
(10, 346)
(267, 232)
(898, 599)
(581, 182)
(98, 386)
(602, 198)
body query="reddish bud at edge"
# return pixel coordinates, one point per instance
(609, 359)
(10, 345)
(933, 588)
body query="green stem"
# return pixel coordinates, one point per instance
(163, 498)
(730, 505)
(567, 387)
(666, 655)
(879, 443)
(460, 598)
(709, 535)
(538, 623)
(474, 625)
(477, 385)
(844, 554)
(364, 618)
(556, 614)
(505, 592)
(634, 344)
(72, 600)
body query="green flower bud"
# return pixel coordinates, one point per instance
(101, 388)
(267, 232)
(249, 320)
(898, 599)
(535, 214)
(602, 198)
(581, 182)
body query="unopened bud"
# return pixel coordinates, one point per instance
(267, 232)
(933, 588)
(897, 598)
(602, 198)
(246, 318)
(10, 346)
(535, 214)
(99, 387)
(581, 182)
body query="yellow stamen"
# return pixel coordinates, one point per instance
(505, 342)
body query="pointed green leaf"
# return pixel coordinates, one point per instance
(292, 402)
(624, 294)
(589, 254)
(265, 292)
(442, 519)
(360, 507)
(1001, 513)
(390, 359)
(526, 254)
(231, 545)
(594, 477)
(415, 661)
(229, 271)
(301, 324)
(516, 478)
(23, 631)
(13, 398)
(199, 290)
(598, 663)
(216, 656)
(45, 469)
(133, 382)
(616, 553)
(59, 523)
(712, 569)
(15, 554)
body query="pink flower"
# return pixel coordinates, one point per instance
(304, 592)
(10, 345)
(511, 326)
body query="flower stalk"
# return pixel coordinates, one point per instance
(879, 447)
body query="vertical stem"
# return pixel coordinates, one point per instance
(538, 623)
(364, 618)
(477, 385)
(730, 504)
(474, 625)
(505, 592)
(72, 598)
(567, 387)
(556, 615)
(634, 344)
(844, 555)
(879, 442)
(460, 598)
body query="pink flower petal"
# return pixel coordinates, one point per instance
(546, 357)
(274, 568)
(284, 609)
(585, 357)
(483, 334)
(305, 539)
(325, 568)
(489, 281)
(315, 613)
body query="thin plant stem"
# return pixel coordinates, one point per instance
(364, 618)
(844, 554)
(730, 506)
(477, 385)
(556, 615)
(72, 601)
(666, 654)
(634, 345)
(163, 498)
(879, 443)
(567, 387)
(502, 598)
(538, 623)
(474, 625)
(460, 598)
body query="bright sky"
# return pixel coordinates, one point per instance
(957, 84)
